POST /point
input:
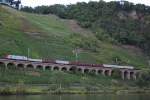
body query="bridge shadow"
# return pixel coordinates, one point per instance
(2, 65)
(11, 66)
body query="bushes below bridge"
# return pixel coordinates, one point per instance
(144, 80)
(15, 76)
(50, 77)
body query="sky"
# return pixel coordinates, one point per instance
(34, 3)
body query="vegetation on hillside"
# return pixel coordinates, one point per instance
(48, 36)
(126, 23)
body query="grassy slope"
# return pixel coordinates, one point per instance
(47, 36)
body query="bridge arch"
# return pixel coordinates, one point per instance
(40, 67)
(92, 71)
(133, 75)
(73, 69)
(2, 64)
(86, 70)
(48, 67)
(20, 66)
(100, 71)
(11, 65)
(126, 74)
(30, 66)
(106, 72)
(80, 70)
(64, 69)
(55, 68)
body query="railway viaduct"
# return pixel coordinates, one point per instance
(124, 73)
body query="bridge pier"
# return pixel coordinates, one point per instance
(44, 68)
(107, 72)
(103, 72)
(122, 75)
(128, 74)
(134, 76)
(96, 72)
(25, 66)
(110, 72)
(52, 68)
(34, 67)
(82, 70)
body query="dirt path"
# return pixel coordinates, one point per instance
(74, 27)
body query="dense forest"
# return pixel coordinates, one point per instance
(116, 22)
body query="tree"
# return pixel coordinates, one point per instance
(11, 2)
(27, 9)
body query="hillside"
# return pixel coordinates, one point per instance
(48, 36)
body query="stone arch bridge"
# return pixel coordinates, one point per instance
(124, 73)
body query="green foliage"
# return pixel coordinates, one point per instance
(49, 77)
(124, 23)
(117, 60)
(6, 91)
(144, 79)
(86, 43)
(27, 9)
(48, 36)
(57, 9)
(100, 34)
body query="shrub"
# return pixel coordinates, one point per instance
(144, 80)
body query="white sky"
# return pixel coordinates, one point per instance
(34, 3)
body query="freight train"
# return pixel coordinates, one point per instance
(24, 58)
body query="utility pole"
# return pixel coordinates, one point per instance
(28, 53)
(76, 54)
